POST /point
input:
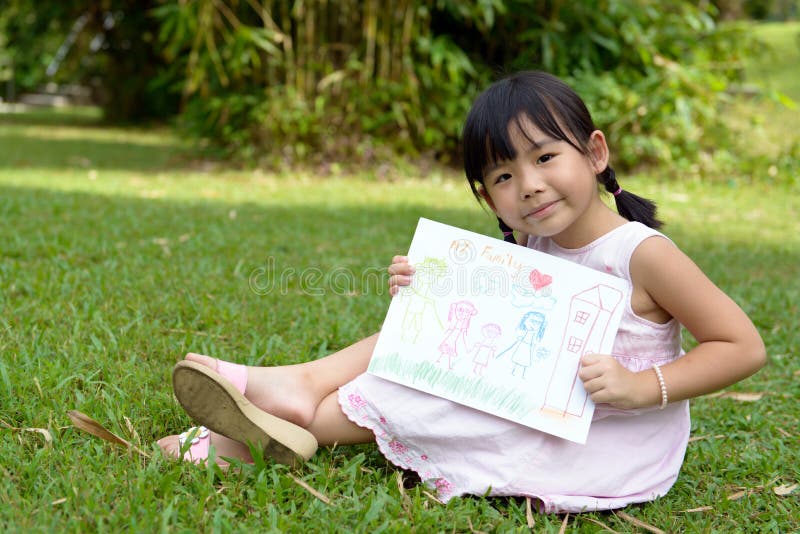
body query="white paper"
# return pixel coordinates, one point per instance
(500, 328)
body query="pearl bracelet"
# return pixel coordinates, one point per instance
(663, 386)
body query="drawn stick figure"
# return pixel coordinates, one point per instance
(455, 337)
(420, 306)
(529, 334)
(483, 351)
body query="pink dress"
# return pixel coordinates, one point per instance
(630, 456)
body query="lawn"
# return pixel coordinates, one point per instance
(120, 253)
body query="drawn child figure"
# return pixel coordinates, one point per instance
(454, 343)
(529, 334)
(483, 351)
(420, 306)
(533, 154)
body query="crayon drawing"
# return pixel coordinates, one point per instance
(500, 328)
(526, 348)
(422, 308)
(483, 351)
(454, 343)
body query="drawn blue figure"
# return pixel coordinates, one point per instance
(529, 334)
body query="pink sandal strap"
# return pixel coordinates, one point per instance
(235, 373)
(201, 439)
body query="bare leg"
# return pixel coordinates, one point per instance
(293, 392)
(331, 426)
(297, 393)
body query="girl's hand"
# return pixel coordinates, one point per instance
(608, 382)
(400, 272)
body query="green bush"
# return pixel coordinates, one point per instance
(288, 80)
(653, 72)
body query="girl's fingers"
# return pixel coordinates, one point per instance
(589, 372)
(592, 386)
(401, 268)
(399, 280)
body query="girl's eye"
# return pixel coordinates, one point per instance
(544, 158)
(502, 178)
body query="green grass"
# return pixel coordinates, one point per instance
(767, 124)
(118, 254)
(113, 268)
(779, 69)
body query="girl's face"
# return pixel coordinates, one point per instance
(550, 188)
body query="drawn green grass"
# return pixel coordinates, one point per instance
(506, 401)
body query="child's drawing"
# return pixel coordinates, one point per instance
(462, 251)
(532, 289)
(483, 351)
(454, 343)
(420, 305)
(526, 349)
(514, 324)
(586, 329)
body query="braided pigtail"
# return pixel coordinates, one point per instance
(632, 207)
(508, 233)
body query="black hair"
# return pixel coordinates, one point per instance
(558, 112)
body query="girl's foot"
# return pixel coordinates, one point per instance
(224, 447)
(282, 391)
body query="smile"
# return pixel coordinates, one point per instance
(542, 211)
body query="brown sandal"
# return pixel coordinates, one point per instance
(213, 401)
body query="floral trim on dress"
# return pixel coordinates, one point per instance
(395, 450)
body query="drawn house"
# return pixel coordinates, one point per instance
(587, 324)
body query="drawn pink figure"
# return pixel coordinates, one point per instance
(455, 337)
(484, 350)
(529, 334)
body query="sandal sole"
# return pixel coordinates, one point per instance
(212, 401)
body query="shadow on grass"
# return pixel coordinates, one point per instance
(28, 152)
(64, 150)
(173, 248)
(71, 116)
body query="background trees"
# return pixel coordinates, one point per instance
(299, 79)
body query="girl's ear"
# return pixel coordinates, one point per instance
(598, 151)
(485, 196)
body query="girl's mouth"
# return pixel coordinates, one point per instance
(543, 210)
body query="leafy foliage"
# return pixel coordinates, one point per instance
(282, 80)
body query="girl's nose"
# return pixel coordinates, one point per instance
(530, 184)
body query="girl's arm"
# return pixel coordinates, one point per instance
(729, 347)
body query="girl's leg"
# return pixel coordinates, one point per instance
(293, 392)
(304, 394)
(331, 426)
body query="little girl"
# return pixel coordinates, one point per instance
(535, 157)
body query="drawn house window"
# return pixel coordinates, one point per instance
(581, 317)
(574, 344)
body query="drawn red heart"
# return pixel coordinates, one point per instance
(540, 280)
